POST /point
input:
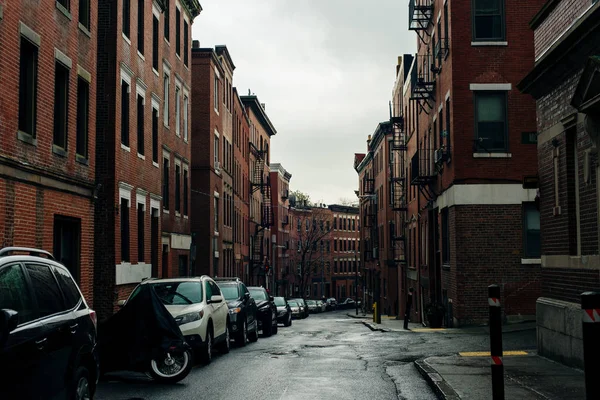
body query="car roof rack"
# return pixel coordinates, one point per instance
(8, 251)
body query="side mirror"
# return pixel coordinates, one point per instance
(271, 298)
(9, 319)
(216, 299)
(246, 296)
(121, 303)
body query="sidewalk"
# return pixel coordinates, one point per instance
(527, 376)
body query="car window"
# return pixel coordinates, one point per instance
(46, 289)
(215, 289)
(208, 289)
(15, 294)
(258, 294)
(245, 289)
(68, 287)
(178, 293)
(292, 303)
(230, 292)
(279, 301)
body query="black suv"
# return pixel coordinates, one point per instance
(267, 310)
(47, 331)
(242, 310)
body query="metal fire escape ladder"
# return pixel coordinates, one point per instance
(267, 208)
(398, 181)
(423, 82)
(420, 17)
(257, 246)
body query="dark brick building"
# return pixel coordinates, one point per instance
(345, 252)
(469, 138)
(142, 146)
(241, 191)
(47, 126)
(280, 232)
(565, 81)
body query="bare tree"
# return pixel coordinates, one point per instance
(312, 235)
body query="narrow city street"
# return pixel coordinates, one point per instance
(326, 356)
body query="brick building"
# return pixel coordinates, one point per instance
(207, 160)
(471, 160)
(565, 81)
(280, 232)
(47, 125)
(345, 252)
(261, 211)
(142, 144)
(241, 180)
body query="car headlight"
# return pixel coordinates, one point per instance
(235, 310)
(189, 317)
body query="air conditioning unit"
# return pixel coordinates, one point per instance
(217, 166)
(439, 155)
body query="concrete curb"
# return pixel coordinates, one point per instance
(439, 385)
(356, 316)
(374, 327)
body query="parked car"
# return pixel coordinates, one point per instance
(331, 304)
(267, 311)
(47, 331)
(321, 305)
(198, 308)
(242, 310)
(296, 309)
(304, 306)
(347, 303)
(312, 306)
(284, 311)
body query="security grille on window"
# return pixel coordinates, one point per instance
(488, 20)
(490, 121)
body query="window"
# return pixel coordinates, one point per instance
(448, 126)
(167, 19)
(154, 135)
(335, 223)
(441, 127)
(216, 219)
(335, 245)
(446, 37)
(140, 124)
(84, 13)
(185, 191)
(83, 116)
(126, 18)
(15, 294)
(177, 188)
(216, 149)
(531, 231)
(141, 230)
(445, 237)
(185, 117)
(488, 20)
(177, 110)
(353, 224)
(140, 32)
(155, 42)
(299, 225)
(125, 113)
(124, 230)
(61, 104)
(28, 87)
(186, 50)
(165, 185)
(216, 96)
(490, 121)
(166, 100)
(46, 289)
(177, 31)
(68, 287)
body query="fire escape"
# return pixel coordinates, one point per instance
(370, 211)
(397, 160)
(260, 181)
(420, 19)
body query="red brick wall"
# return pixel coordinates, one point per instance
(241, 182)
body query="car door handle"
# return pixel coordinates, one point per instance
(41, 343)
(74, 328)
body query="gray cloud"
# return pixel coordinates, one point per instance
(325, 69)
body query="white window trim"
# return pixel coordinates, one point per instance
(155, 10)
(491, 86)
(447, 95)
(216, 194)
(84, 74)
(155, 202)
(167, 155)
(140, 89)
(156, 104)
(141, 199)
(125, 192)
(492, 155)
(531, 261)
(126, 75)
(491, 43)
(62, 58)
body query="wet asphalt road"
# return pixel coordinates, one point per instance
(326, 356)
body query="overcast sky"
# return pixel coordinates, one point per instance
(324, 68)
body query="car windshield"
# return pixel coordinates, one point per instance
(311, 302)
(279, 301)
(230, 292)
(292, 303)
(258, 294)
(179, 293)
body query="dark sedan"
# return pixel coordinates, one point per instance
(284, 311)
(267, 311)
(243, 323)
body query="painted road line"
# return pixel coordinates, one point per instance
(487, 353)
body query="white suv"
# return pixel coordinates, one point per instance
(198, 308)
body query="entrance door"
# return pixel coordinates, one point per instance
(183, 265)
(165, 260)
(67, 248)
(154, 242)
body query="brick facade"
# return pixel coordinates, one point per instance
(345, 253)
(241, 126)
(280, 191)
(47, 187)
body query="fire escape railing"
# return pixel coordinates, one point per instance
(420, 17)
(423, 82)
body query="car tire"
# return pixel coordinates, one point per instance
(253, 337)
(207, 347)
(82, 388)
(268, 327)
(242, 337)
(289, 320)
(224, 347)
(275, 327)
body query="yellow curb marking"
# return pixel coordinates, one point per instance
(487, 353)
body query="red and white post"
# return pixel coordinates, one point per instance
(496, 342)
(590, 306)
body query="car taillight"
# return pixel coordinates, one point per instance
(94, 318)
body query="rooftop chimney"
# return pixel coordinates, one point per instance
(195, 44)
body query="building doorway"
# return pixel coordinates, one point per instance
(67, 243)
(165, 260)
(154, 242)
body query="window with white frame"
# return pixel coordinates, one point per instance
(177, 109)
(166, 88)
(216, 95)
(491, 127)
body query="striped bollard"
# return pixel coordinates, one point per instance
(496, 342)
(590, 305)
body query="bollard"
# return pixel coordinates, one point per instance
(590, 304)
(375, 312)
(496, 342)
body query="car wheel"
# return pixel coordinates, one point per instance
(82, 389)
(242, 337)
(225, 346)
(275, 327)
(268, 328)
(253, 337)
(289, 320)
(207, 348)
